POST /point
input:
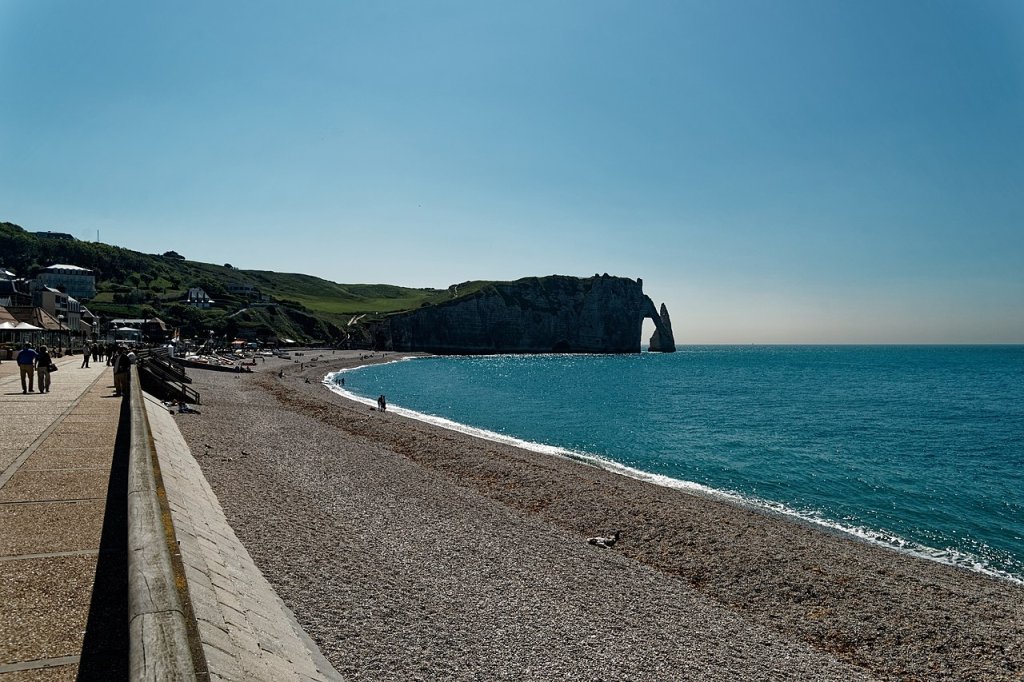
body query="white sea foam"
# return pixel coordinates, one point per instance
(948, 556)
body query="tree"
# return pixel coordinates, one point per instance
(191, 320)
(173, 254)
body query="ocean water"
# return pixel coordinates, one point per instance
(920, 448)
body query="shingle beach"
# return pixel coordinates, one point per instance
(410, 552)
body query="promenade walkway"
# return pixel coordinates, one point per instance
(84, 594)
(59, 453)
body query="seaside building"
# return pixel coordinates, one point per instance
(90, 324)
(151, 329)
(73, 280)
(46, 328)
(67, 310)
(243, 289)
(61, 236)
(198, 298)
(15, 292)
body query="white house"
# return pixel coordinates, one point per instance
(198, 298)
(73, 280)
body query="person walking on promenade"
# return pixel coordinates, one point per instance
(86, 351)
(43, 362)
(121, 365)
(26, 365)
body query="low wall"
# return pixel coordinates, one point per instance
(159, 634)
(227, 622)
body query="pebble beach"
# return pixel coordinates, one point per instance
(410, 552)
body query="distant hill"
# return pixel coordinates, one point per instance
(302, 307)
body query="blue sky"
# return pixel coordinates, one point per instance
(777, 172)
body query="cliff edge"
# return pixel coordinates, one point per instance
(555, 314)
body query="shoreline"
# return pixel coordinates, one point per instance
(889, 614)
(779, 510)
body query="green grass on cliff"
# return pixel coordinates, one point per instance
(347, 299)
(134, 284)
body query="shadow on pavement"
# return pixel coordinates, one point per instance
(105, 650)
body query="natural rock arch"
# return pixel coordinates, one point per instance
(663, 340)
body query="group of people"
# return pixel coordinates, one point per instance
(99, 352)
(35, 363)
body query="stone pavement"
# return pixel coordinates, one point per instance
(65, 594)
(57, 451)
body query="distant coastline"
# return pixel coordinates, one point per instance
(851, 533)
(885, 537)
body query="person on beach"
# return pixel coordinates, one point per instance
(26, 362)
(43, 362)
(382, 403)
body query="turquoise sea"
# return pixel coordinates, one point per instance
(916, 447)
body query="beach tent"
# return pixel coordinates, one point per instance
(6, 326)
(22, 329)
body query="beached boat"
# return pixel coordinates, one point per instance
(218, 363)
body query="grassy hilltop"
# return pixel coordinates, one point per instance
(133, 284)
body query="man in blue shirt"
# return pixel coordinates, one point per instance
(26, 358)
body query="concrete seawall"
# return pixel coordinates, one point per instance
(200, 608)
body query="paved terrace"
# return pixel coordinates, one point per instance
(93, 493)
(57, 451)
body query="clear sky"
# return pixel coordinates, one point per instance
(788, 171)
